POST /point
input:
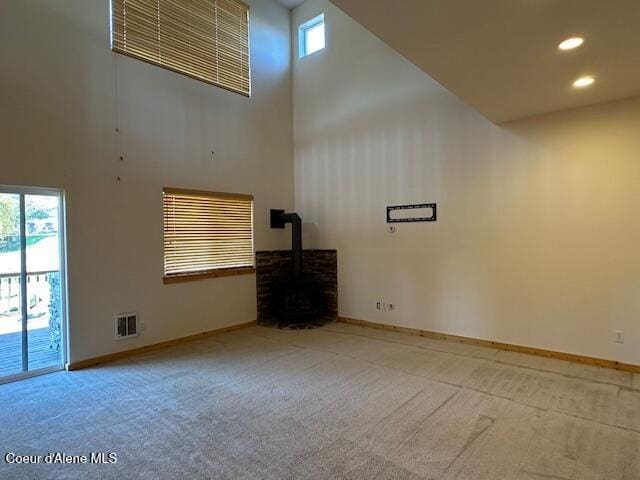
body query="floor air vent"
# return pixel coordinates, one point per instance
(127, 325)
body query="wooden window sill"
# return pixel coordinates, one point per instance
(223, 272)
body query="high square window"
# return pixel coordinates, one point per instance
(311, 36)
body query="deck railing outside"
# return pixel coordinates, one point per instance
(42, 302)
(43, 342)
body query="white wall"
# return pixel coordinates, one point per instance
(57, 117)
(539, 221)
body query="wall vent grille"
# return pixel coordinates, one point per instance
(127, 325)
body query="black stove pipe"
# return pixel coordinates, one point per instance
(278, 220)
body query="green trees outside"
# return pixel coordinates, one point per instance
(8, 217)
(36, 209)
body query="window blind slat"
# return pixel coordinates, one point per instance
(204, 39)
(204, 231)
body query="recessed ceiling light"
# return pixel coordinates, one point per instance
(584, 81)
(571, 43)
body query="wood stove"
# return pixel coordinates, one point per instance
(291, 294)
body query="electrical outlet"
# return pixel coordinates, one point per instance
(378, 306)
(618, 336)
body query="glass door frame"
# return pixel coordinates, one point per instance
(62, 252)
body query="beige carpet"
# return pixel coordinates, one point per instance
(337, 402)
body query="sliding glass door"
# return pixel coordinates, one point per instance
(32, 295)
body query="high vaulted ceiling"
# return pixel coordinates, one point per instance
(501, 56)
(290, 3)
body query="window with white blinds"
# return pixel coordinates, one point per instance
(204, 39)
(206, 234)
